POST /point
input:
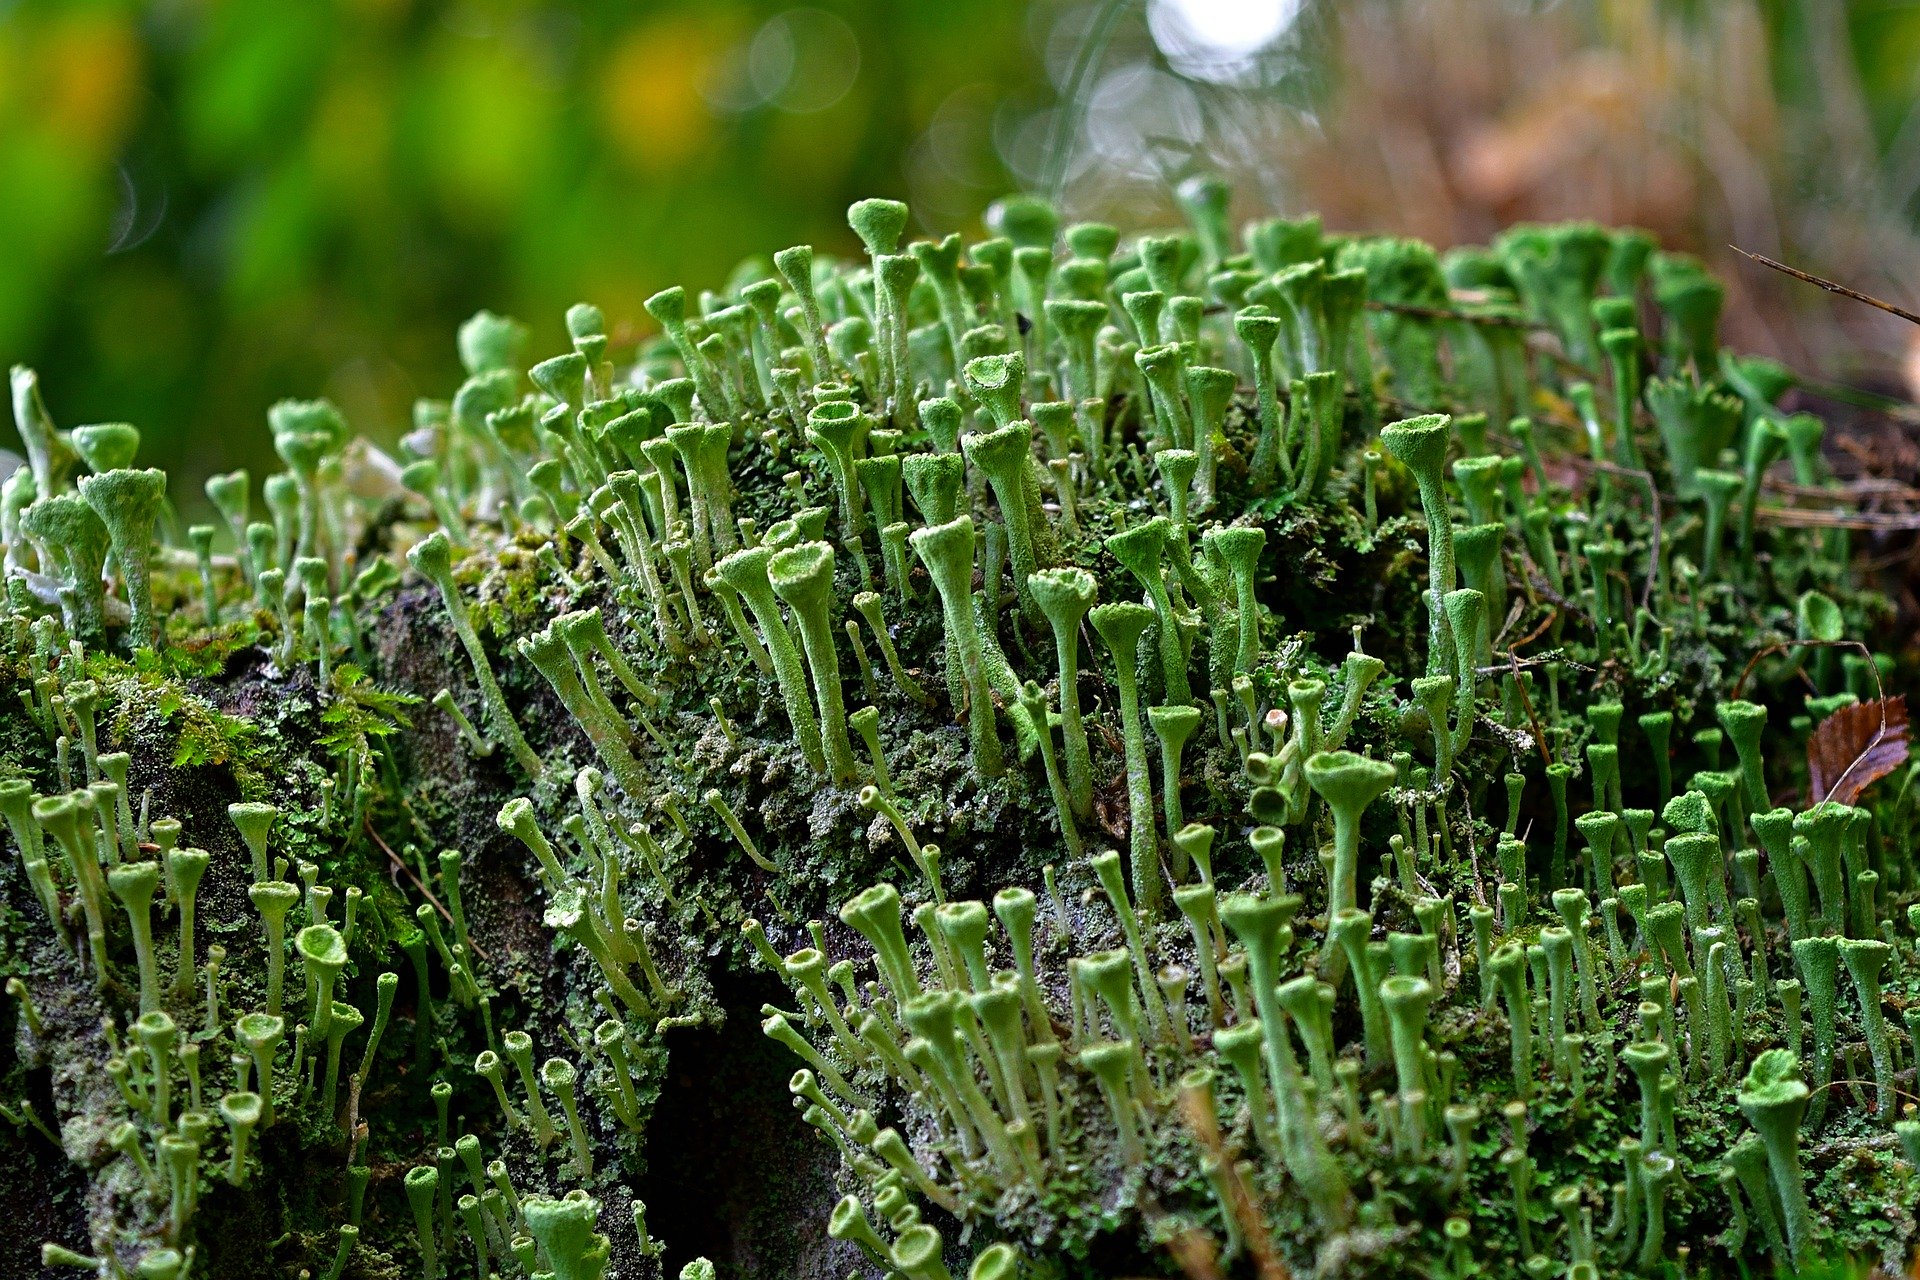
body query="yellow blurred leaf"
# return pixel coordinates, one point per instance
(650, 90)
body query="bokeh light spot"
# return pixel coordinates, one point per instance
(1219, 40)
(799, 60)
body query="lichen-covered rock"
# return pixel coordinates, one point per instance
(1057, 756)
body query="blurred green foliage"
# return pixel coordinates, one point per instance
(206, 205)
(210, 204)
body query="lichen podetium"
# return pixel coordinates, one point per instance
(378, 857)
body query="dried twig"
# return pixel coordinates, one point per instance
(1787, 646)
(1533, 721)
(1197, 1110)
(1829, 285)
(401, 865)
(1195, 1254)
(1868, 521)
(1863, 488)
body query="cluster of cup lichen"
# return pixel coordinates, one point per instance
(1363, 684)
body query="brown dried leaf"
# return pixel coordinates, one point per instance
(1110, 808)
(1855, 747)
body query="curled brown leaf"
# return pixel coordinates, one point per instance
(1855, 747)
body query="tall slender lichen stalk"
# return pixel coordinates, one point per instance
(1140, 550)
(947, 552)
(432, 559)
(1121, 625)
(1348, 782)
(746, 571)
(1421, 445)
(1064, 596)
(803, 577)
(1773, 1098)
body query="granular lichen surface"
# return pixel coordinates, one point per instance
(1224, 752)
